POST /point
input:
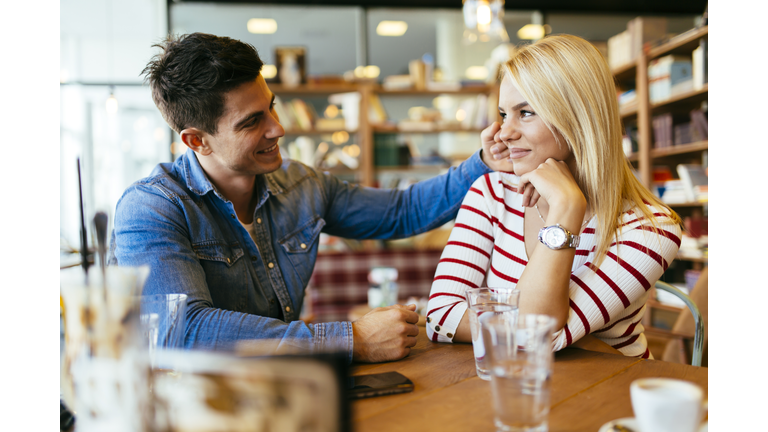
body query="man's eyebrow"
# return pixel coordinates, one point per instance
(241, 124)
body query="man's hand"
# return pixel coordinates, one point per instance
(385, 334)
(495, 153)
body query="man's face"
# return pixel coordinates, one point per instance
(246, 140)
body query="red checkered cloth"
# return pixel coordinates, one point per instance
(340, 280)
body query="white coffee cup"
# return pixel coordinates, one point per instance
(667, 405)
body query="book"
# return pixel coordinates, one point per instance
(669, 75)
(691, 176)
(699, 124)
(376, 112)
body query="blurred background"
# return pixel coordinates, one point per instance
(108, 118)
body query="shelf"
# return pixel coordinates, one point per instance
(689, 96)
(628, 110)
(316, 131)
(625, 73)
(413, 92)
(313, 89)
(680, 149)
(682, 43)
(436, 129)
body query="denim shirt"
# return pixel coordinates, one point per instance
(176, 222)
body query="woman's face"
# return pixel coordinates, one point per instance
(529, 140)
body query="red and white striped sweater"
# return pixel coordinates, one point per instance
(607, 302)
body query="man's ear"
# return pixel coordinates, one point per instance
(194, 139)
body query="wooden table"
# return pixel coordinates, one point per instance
(589, 389)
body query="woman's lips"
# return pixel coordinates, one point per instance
(518, 153)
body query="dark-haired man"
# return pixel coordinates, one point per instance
(236, 228)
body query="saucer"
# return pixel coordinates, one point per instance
(631, 423)
(628, 422)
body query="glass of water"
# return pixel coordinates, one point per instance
(519, 355)
(488, 301)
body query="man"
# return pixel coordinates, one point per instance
(236, 229)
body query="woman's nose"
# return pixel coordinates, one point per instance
(509, 131)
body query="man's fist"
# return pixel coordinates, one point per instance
(385, 334)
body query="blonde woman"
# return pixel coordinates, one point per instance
(569, 224)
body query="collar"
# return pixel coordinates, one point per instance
(197, 181)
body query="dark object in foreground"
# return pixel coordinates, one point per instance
(66, 418)
(379, 385)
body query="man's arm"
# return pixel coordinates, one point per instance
(150, 229)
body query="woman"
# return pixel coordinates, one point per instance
(569, 225)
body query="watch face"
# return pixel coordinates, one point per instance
(554, 237)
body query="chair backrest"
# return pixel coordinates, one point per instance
(698, 338)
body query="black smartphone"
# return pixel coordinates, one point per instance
(364, 386)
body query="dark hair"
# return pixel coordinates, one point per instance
(193, 72)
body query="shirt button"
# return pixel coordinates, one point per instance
(450, 335)
(233, 216)
(258, 220)
(253, 258)
(437, 328)
(429, 319)
(228, 261)
(287, 308)
(303, 246)
(270, 265)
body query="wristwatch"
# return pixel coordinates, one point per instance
(557, 237)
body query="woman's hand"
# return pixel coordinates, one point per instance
(554, 182)
(495, 152)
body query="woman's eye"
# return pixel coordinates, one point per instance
(503, 115)
(526, 113)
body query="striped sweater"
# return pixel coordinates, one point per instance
(487, 244)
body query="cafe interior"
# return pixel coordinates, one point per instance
(377, 94)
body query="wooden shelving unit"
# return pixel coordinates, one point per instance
(646, 157)
(366, 173)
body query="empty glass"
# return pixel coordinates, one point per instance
(519, 355)
(162, 322)
(492, 301)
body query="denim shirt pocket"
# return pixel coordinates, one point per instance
(223, 267)
(301, 245)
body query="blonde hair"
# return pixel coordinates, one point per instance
(568, 83)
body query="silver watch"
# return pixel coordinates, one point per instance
(557, 237)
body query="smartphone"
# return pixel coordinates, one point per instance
(364, 386)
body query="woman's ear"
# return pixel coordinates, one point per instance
(194, 139)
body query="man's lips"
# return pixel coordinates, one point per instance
(268, 150)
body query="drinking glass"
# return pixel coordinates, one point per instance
(520, 360)
(162, 321)
(491, 301)
(105, 376)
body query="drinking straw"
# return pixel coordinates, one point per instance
(83, 232)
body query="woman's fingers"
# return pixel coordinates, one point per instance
(534, 198)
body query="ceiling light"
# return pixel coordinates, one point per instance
(531, 32)
(483, 21)
(268, 71)
(112, 103)
(262, 25)
(391, 28)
